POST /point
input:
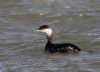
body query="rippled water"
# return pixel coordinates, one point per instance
(75, 21)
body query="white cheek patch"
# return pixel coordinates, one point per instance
(47, 31)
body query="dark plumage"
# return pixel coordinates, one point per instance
(52, 48)
(43, 27)
(63, 48)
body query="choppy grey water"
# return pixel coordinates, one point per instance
(75, 21)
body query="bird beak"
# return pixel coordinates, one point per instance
(38, 30)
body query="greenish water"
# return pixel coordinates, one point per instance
(75, 21)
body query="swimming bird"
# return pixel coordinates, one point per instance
(52, 47)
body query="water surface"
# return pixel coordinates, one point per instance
(75, 21)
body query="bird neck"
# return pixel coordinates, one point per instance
(49, 39)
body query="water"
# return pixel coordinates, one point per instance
(75, 21)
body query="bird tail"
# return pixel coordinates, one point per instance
(77, 48)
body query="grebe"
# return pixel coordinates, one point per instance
(51, 47)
